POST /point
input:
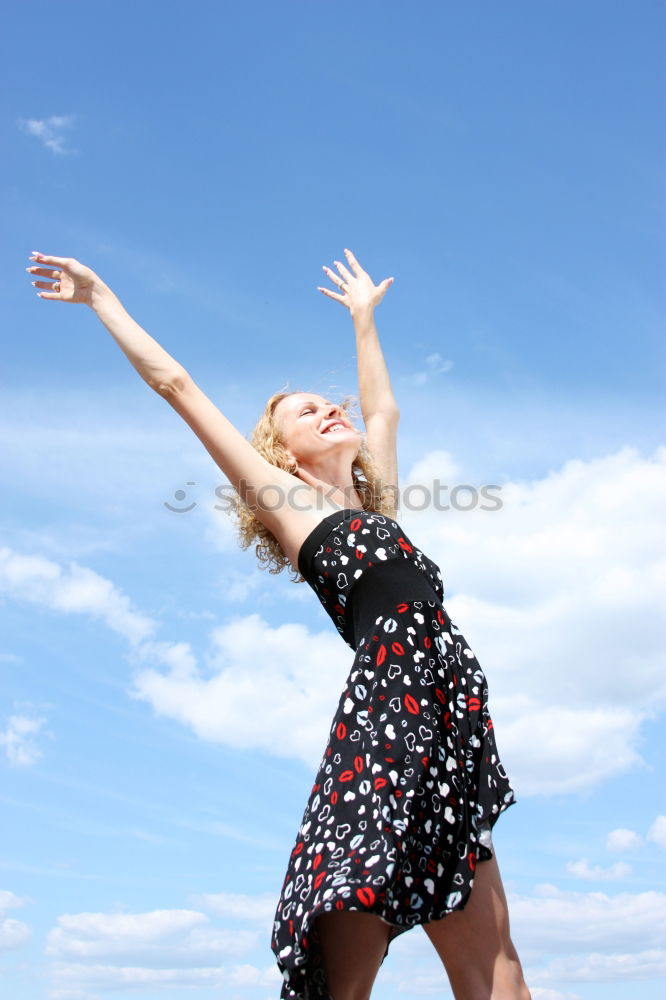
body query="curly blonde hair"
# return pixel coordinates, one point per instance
(267, 440)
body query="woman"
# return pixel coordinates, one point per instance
(397, 829)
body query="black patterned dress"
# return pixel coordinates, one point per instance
(410, 782)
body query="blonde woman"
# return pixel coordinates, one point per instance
(397, 828)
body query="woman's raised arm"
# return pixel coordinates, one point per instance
(255, 479)
(358, 293)
(71, 281)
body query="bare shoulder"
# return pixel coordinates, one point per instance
(296, 518)
(289, 508)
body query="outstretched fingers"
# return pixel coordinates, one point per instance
(354, 264)
(332, 295)
(359, 288)
(44, 272)
(43, 259)
(54, 273)
(346, 274)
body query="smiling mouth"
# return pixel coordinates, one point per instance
(334, 428)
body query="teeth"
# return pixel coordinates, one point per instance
(335, 427)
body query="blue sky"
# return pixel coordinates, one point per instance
(505, 164)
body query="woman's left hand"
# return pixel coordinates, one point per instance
(356, 289)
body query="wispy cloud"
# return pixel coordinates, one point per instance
(17, 740)
(13, 933)
(77, 590)
(50, 131)
(657, 831)
(161, 948)
(137, 935)
(622, 840)
(583, 869)
(434, 364)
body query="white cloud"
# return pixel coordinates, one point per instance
(601, 968)
(622, 840)
(50, 131)
(110, 977)
(657, 832)
(13, 933)
(613, 923)
(570, 754)
(160, 948)
(250, 975)
(421, 472)
(275, 688)
(181, 934)
(583, 870)
(297, 675)
(10, 901)
(17, 740)
(77, 590)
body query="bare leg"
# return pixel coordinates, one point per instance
(475, 946)
(352, 946)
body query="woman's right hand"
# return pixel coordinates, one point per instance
(69, 281)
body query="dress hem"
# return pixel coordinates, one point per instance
(302, 971)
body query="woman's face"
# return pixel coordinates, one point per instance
(308, 422)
